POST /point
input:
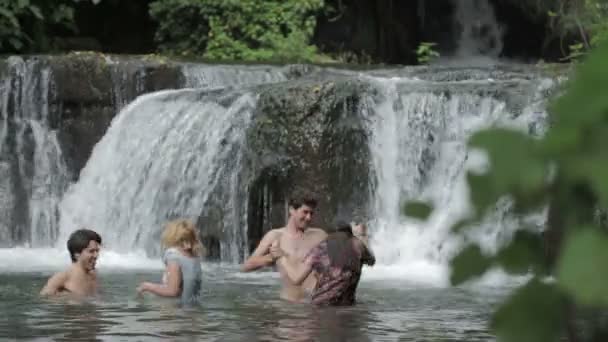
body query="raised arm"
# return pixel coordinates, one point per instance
(261, 256)
(54, 284)
(367, 255)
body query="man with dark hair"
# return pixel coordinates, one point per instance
(337, 262)
(80, 278)
(295, 239)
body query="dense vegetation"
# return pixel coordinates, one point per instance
(27, 25)
(249, 30)
(274, 30)
(585, 20)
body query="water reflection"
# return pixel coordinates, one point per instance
(236, 311)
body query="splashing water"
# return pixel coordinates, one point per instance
(161, 159)
(478, 30)
(419, 152)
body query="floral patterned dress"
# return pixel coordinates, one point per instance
(335, 286)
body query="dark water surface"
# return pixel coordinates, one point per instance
(242, 307)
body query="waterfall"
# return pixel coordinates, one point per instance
(479, 33)
(215, 76)
(33, 174)
(180, 153)
(419, 152)
(164, 157)
(33, 170)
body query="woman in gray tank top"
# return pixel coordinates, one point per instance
(182, 258)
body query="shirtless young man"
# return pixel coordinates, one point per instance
(295, 240)
(80, 278)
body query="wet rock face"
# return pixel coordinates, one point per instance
(73, 97)
(91, 89)
(308, 136)
(305, 135)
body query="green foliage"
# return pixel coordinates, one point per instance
(576, 52)
(588, 19)
(426, 53)
(522, 255)
(516, 171)
(250, 30)
(542, 302)
(470, 263)
(585, 19)
(24, 23)
(568, 170)
(582, 267)
(417, 210)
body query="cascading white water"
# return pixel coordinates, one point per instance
(419, 152)
(33, 174)
(161, 159)
(479, 33)
(170, 154)
(213, 76)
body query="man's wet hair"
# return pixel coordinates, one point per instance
(303, 199)
(80, 240)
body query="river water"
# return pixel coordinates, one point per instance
(244, 307)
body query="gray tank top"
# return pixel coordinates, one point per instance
(191, 274)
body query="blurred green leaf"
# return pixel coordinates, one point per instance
(10, 16)
(469, 263)
(532, 314)
(22, 3)
(582, 266)
(483, 193)
(462, 224)
(560, 140)
(523, 254)
(593, 172)
(516, 169)
(419, 210)
(566, 169)
(585, 103)
(15, 43)
(36, 12)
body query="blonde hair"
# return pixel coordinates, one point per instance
(179, 232)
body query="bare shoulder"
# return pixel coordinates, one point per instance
(277, 230)
(272, 235)
(60, 276)
(275, 233)
(317, 232)
(55, 283)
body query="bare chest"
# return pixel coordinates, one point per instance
(84, 285)
(298, 246)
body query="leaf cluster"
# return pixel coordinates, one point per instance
(249, 30)
(566, 170)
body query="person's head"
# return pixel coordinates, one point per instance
(83, 246)
(340, 248)
(344, 227)
(301, 210)
(182, 234)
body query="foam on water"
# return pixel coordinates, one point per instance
(22, 259)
